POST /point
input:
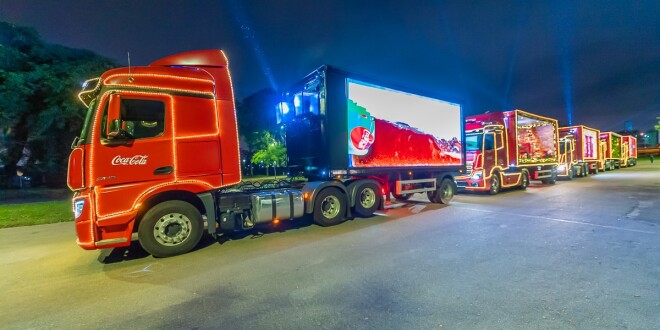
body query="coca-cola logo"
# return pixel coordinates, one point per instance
(135, 160)
(362, 138)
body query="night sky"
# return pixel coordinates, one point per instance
(598, 59)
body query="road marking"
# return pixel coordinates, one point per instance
(563, 220)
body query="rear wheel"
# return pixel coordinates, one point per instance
(329, 207)
(170, 228)
(367, 199)
(444, 193)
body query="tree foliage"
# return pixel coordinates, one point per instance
(269, 151)
(39, 110)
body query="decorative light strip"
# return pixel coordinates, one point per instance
(153, 75)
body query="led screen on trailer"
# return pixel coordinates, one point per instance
(389, 128)
(590, 144)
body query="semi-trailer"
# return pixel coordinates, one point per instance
(159, 153)
(610, 148)
(507, 149)
(579, 151)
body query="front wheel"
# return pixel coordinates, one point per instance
(524, 180)
(170, 228)
(494, 184)
(329, 207)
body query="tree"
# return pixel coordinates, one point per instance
(39, 110)
(269, 152)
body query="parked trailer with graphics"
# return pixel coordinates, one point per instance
(507, 149)
(159, 154)
(579, 151)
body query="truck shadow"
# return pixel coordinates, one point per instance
(135, 250)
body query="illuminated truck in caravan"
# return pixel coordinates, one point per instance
(629, 143)
(578, 151)
(159, 154)
(612, 151)
(507, 149)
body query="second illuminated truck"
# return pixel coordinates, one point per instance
(507, 149)
(158, 154)
(579, 151)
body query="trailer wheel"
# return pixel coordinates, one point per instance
(329, 207)
(170, 228)
(494, 184)
(444, 193)
(524, 180)
(367, 199)
(402, 197)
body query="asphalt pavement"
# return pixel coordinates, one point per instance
(581, 254)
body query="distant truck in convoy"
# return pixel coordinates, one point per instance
(507, 149)
(159, 154)
(611, 150)
(629, 144)
(579, 151)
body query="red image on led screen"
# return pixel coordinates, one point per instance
(388, 128)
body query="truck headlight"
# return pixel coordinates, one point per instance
(561, 168)
(476, 175)
(78, 208)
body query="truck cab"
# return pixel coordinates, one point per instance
(166, 131)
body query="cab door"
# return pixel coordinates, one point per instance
(133, 150)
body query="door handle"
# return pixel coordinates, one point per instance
(164, 170)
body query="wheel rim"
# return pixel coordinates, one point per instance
(367, 198)
(330, 207)
(525, 180)
(172, 229)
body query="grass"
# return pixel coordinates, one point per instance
(37, 213)
(28, 207)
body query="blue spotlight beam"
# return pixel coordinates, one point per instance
(248, 34)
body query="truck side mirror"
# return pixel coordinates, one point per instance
(113, 122)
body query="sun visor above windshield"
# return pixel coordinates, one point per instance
(198, 58)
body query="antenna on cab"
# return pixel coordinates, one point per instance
(130, 75)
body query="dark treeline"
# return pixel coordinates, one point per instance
(40, 113)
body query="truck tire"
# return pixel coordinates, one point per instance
(170, 228)
(367, 199)
(571, 174)
(402, 197)
(495, 184)
(524, 180)
(444, 193)
(329, 207)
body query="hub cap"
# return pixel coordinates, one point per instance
(367, 198)
(172, 229)
(330, 207)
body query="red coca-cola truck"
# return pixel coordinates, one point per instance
(579, 151)
(159, 153)
(507, 149)
(629, 150)
(611, 149)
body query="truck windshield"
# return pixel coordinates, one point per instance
(473, 142)
(86, 132)
(562, 147)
